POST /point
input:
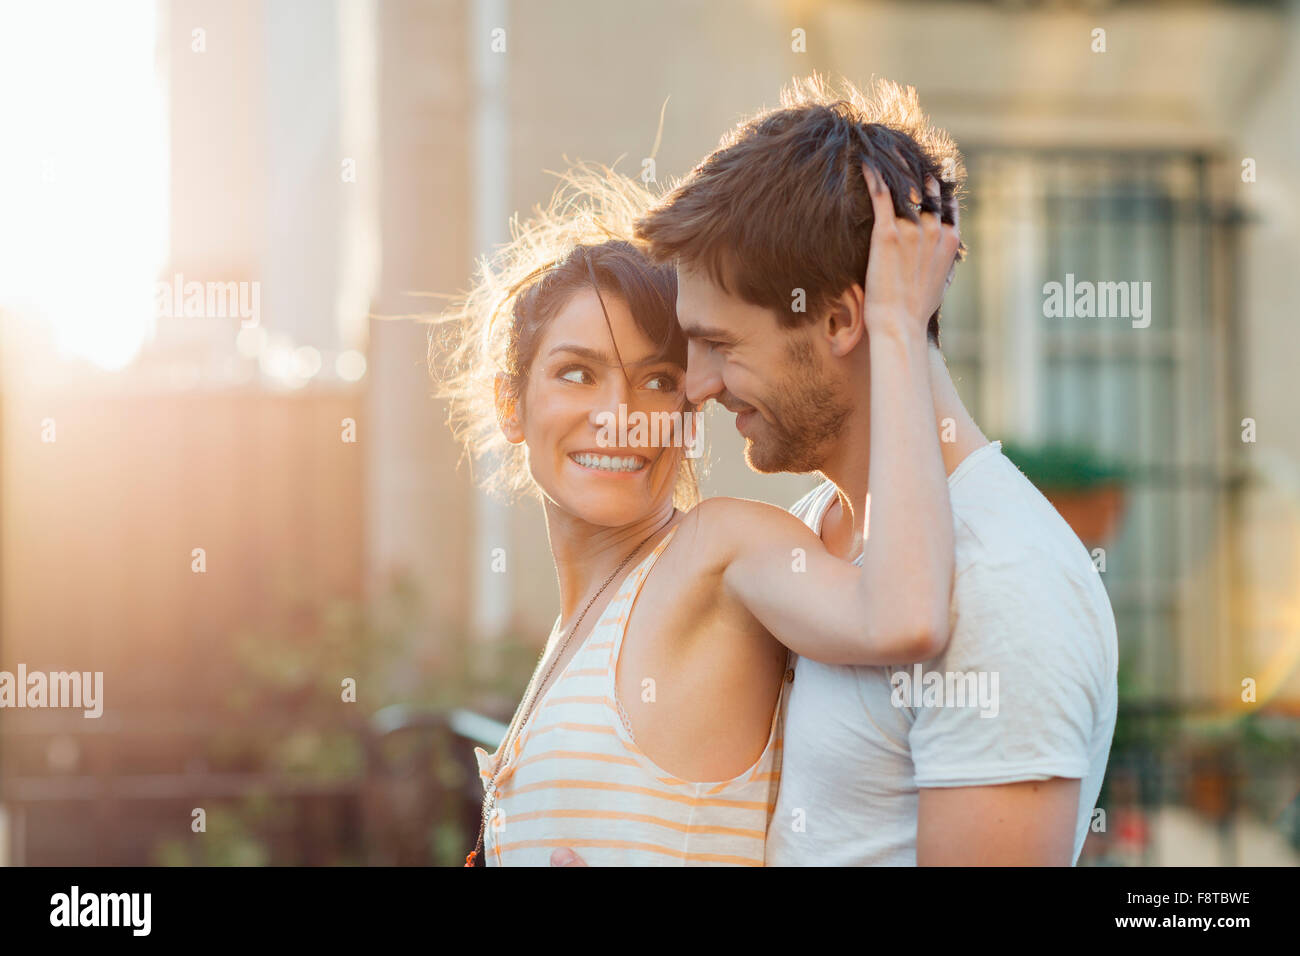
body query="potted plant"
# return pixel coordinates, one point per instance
(1087, 489)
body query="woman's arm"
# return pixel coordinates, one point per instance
(895, 608)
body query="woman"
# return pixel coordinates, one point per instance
(650, 732)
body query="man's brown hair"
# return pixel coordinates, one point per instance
(781, 204)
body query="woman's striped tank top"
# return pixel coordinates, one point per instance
(576, 778)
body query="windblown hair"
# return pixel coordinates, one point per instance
(781, 204)
(581, 240)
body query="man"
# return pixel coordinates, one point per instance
(993, 752)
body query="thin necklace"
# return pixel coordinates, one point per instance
(489, 798)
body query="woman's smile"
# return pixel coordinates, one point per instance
(604, 463)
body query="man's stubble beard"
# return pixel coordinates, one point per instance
(808, 417)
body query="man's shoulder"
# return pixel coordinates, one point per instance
(1004, 524)
(1018, 562)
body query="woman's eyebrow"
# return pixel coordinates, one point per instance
(601, 358)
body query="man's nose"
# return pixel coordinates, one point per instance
(703, 376)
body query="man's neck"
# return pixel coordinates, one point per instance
(848, 464)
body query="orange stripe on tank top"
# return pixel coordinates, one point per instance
(581, 784)
(627, 845)
(575, 755)
(701, 829)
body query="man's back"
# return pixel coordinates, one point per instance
(1026, 689)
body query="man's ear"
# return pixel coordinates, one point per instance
(845, 324)
(507, 410)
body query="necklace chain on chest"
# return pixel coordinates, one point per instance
(489, 798)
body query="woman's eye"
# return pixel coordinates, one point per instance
(663, 383)
(579, 376)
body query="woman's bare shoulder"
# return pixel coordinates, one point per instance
(716, 531)
(724, 508)
(728, 524)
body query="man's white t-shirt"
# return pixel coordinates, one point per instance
(1032, 646)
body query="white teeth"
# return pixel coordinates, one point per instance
(607, 463)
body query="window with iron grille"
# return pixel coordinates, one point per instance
(1158, 399)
